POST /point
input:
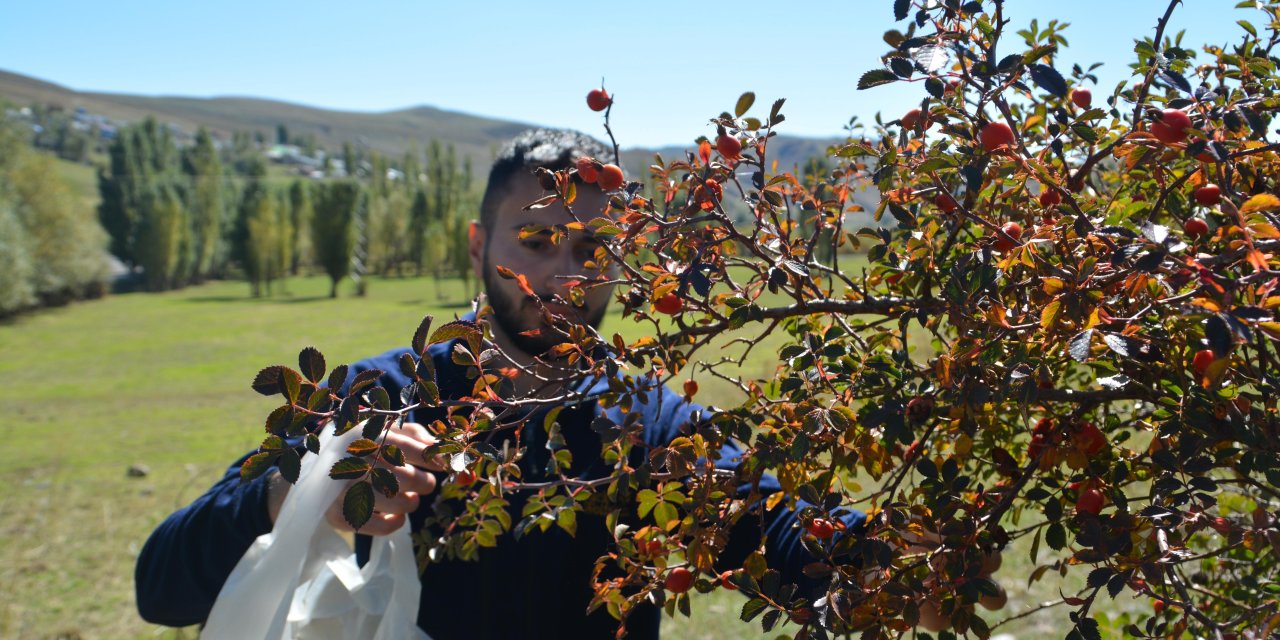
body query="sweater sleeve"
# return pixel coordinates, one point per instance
(187, 558)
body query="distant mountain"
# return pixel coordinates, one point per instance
(391, 132)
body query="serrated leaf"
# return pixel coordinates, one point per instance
(1048, 78)
(256, 465)
(385, 482)
(312, 443)
(357, 505)
(875, 78)
(900, 10)
(1085, 132)
(362, 447)
(408, 366)
(349, 468)
(1116, 343)
(1260, 202)
(420, 336)
(374, 426)
(290, 464)
(744, 103)
(379, 398)
(753, 608)
(279, 420)
(1049, 315)
(902, 67)
(1056, 536)
(311, 364)
(1039, 52)
(1079, 345)
(337, 377)
(458, 330)
(931, 58)
(268, 382)
(290, 384)
(363, 380)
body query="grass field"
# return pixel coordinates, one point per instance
(162, 381)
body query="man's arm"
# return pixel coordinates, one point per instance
(669, 415)
(187, 558)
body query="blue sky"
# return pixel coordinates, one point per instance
(672, 65)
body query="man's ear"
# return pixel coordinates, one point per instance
(476, 239)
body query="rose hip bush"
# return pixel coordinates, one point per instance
(1096, 270)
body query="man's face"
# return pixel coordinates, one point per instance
(545, 263)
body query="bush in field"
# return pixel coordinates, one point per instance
(1095, 270)
(51, 252)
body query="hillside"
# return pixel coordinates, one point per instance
(391, 132)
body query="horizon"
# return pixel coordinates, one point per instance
(817, 80)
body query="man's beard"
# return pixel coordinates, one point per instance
(507, 314)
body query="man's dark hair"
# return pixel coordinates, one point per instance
(553, 149)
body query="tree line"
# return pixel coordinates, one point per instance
(183, 215)
(51, 249)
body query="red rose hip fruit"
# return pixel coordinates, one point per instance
(611, 177)
(598, 100)
(678, 580)
(995, 135)
(1208, 195)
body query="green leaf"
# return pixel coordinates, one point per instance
(256, 465)
(379, 398)
(459, 329)
(1085, 132)
(875, 78)
(666, 515)
(420, 336)
(290, 384)
(311, 364)
(357, 505)
(290, 464)
(753, 608)
(385, 482)
(313, 443)
(391, 454)
(362, 447)
(744, 103)
(349, 468)
(567, 519)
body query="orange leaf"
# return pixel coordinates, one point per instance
(523, 283)
(704, 151)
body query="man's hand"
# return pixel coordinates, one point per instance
(415, 480)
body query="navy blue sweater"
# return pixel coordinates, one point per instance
(537, 586)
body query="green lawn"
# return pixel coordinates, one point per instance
(162, 380)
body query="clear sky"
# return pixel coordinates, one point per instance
(671, 65)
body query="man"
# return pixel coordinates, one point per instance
(532, 587)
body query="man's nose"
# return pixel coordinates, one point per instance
(559, 264)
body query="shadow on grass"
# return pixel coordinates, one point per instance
(453, 304)
(250, 299)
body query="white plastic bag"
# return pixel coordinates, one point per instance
(301, 580)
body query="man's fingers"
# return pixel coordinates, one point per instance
(991, 603)
(991, 563)
(414, 479)
(413, 439)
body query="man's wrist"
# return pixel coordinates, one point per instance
(277, 489)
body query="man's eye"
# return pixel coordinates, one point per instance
(533, 244)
